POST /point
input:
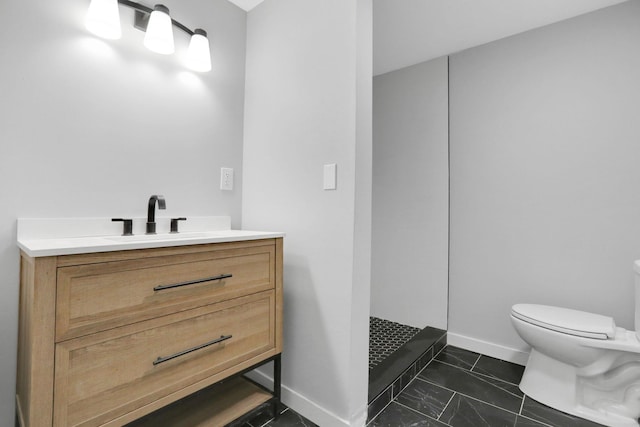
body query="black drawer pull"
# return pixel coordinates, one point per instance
(160, 360)
(193, 282)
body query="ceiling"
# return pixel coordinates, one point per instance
(407, 32)
(246, 4)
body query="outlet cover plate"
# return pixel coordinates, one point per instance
(226, 179)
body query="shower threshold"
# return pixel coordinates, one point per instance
(392, 373)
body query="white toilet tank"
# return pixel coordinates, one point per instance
(636, 270)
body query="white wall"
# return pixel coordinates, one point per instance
(93, 128)
(361, 286)
(308, 103)
(545, 203)
(410, 240)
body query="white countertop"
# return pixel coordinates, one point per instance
(69, 236)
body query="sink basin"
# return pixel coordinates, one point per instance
(156, 237)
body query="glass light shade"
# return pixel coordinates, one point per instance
(103, 19)
(198, 54)
(159, 36)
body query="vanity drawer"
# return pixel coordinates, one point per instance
(100, 296)
(107, 375)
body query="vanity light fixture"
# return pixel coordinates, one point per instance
(103, 19)
(198, 58)
(159, 35)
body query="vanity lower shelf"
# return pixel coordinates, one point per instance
(212, 407)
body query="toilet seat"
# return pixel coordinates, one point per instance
(567, 321)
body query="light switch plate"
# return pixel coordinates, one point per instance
(226, 179)
(330, 176)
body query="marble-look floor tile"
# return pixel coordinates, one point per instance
(553, 417)
(379, 403)
(261, 415)
(396, 415)
(404, 359)
(439, 345)
(505, 371)
(425, 397)
(526, 422)
(467, 412)
(404, 380)
(291, 418)
(425, 359)
(491, 390)
(458, 357)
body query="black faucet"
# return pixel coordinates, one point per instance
(151, 213)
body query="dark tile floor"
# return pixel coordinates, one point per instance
(288, 418)
(458, 388)
(391, 375)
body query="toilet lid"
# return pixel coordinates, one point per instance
(567, 321)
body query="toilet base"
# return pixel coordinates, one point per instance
(555, 384)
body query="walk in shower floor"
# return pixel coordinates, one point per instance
(385, 337)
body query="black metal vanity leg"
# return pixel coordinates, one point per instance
(277, 385)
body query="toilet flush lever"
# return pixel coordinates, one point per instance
(174, 224)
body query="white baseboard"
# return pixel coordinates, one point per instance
(498, 351)
(307, 408)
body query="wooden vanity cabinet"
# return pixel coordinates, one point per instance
(107, 338)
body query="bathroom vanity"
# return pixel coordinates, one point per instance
(113, 333)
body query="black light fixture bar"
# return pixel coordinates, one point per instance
(142, 16)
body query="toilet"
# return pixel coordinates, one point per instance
(582, 363)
